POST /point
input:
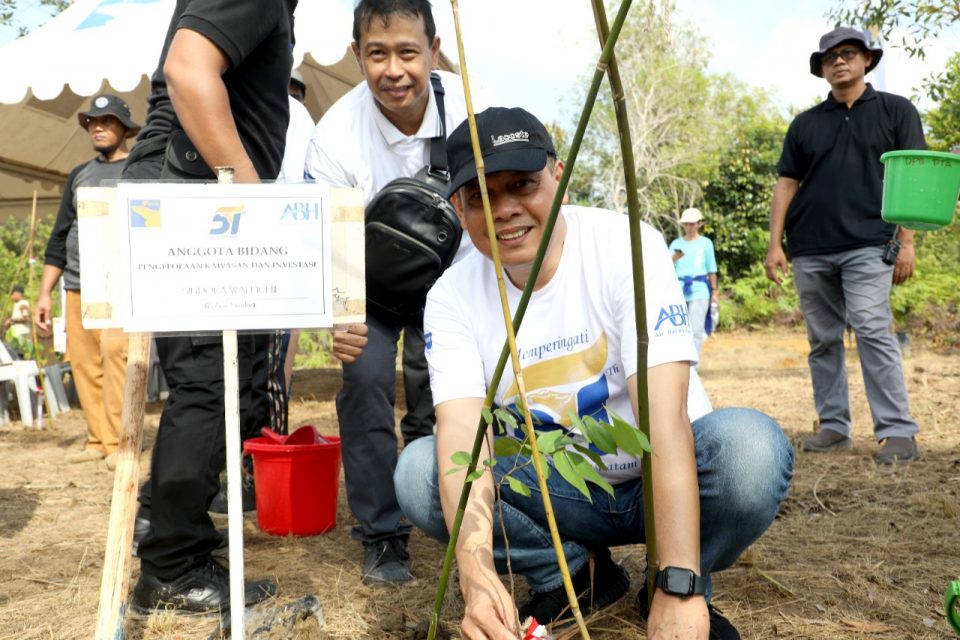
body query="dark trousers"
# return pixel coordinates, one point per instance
(368, 429)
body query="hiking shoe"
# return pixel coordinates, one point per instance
(111, 461)
(827, 440)
(386, 562)
(897, 451)
(720, 627)
(203, 589)
(87, 455)
(595, 590)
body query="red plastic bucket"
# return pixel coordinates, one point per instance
(296, 485)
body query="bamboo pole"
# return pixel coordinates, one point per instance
(531, 434)
(640, 306)
(117, 563)
(524, 300)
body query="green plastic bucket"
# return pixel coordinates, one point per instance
(920, 188)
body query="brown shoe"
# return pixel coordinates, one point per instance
(897, 451)
(87, 455)
(827, 440)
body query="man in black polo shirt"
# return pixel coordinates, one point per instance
(219, 99)
(827, 200)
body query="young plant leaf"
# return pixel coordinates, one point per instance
(476, 475)
(628, 437)
(593, 455)
(489, 462)
(600, 435)
(506, 447)
(487, 416)
(461, 458)
(454, 470)
(550, 441)
(577, 424)
(569, 473)
(518, 487)
(588, 473)
(506, 418)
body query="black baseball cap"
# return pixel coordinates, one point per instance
(510, 140)
(108, 105)
(839, 36)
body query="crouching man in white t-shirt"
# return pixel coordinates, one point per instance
(719, 476)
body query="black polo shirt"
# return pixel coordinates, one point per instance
(834, 152)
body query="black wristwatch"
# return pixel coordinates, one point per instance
(680, 582)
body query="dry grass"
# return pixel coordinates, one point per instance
(858, 552)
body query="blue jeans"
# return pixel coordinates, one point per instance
(744, 465)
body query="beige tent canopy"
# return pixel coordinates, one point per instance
(50, 74)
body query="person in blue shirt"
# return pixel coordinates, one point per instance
(696, 266)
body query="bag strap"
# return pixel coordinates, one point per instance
(438, 145)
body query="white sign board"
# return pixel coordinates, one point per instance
(163, 257)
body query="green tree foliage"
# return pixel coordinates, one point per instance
(737, 200)
(10, 11)
(943, 122)
(916, 20)
(678, 117)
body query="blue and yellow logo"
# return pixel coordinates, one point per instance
(227, 220)
(145, 214)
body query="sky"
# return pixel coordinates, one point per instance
(534, 53)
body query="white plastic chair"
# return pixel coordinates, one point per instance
(22, 373)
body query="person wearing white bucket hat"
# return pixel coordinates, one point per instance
(827, 201)
(696, 266)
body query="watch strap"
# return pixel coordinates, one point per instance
(666, 580)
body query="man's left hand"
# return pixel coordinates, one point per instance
(674, 618)
(906, 259)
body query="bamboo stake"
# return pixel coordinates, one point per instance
(524, 300)
(640, 306)
(512, 338)
(111, 615)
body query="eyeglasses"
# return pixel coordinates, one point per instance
(831, 56)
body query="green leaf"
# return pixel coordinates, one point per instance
(588, 472)
(487, 416)
(593, 455)
(454, 470)
(566, 469)
(600, 435)
(506, 418)
(506, 447)
(461, 458)
(489, 462)
(518, 487)
(476, 475)
(628, 437)
(577, 424)
(550, 441)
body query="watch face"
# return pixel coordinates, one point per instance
(679, 581)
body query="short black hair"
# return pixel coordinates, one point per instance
(367, 10)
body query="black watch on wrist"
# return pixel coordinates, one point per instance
(680, 582)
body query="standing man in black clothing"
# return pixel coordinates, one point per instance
(827, 200)
(219, 99)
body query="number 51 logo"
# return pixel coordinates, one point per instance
(226, 220)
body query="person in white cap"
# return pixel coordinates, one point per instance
(696, 266)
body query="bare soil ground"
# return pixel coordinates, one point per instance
(858, 552)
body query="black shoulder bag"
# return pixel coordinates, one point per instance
(412, 235)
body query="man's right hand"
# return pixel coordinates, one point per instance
(776, 261)
(674, 618)
(41, 312)
(490, 612)
(349, 341)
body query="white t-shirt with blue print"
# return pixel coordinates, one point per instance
(577, 344)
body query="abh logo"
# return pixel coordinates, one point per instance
(227, 220)
(676, 314)
(301, 211)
